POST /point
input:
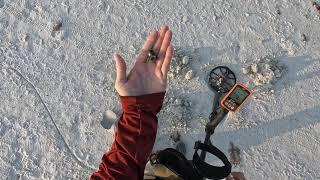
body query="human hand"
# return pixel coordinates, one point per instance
(146, 77)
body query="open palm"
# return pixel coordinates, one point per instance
(146, 77)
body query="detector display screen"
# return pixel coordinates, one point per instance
(238, 95)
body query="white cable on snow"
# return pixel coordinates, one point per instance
(81, 162)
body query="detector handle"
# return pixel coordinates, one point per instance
(215, 118)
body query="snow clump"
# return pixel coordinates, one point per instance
(265, 71)
(180, 67)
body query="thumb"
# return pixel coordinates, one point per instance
(120, 68)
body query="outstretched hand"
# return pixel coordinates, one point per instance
(146, 77)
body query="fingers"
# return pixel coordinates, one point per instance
(166, 62)
(157, 46)
(151, 40)
(120, 68)
(163, 50)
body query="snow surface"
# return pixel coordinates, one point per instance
(72, 71)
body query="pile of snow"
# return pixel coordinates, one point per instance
(264, 72)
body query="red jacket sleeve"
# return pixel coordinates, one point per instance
(134, 138)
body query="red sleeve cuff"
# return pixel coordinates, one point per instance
(149, 102)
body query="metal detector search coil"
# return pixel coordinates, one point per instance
(236, 97)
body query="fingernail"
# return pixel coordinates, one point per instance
(116, 56)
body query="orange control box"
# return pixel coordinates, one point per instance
(236, 97)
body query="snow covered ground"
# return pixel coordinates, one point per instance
(64, 48)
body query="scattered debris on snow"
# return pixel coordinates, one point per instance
(184, 19)
(303, 38)
(175, 136)
(245, 70)
(57, 27)
(189, 75)
(177, 102)
(176, 114)
(179, 144)
(186, 103)
(185, 60)
(317, 6)
(181, 67)
(289, 45)
(254, 68)
(265, 71)
(178, 69)
(214, 17)
(234, 154)
(57, 31)
(103, 6)
(240, 119)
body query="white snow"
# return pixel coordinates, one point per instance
(72, 71)
(189, 75)
(185, 60)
